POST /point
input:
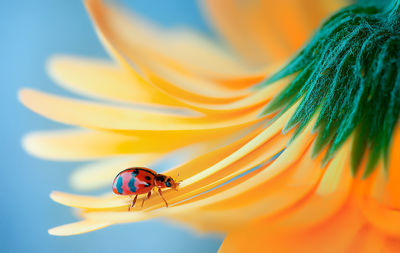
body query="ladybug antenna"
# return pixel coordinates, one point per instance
(178, 181)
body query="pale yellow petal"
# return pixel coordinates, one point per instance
(219, 162)
(276, 187)
(101, 173)
(79, 227)
(105, 80)
(188, 87)
(77, 144)
(168, 77)
(179, 48)
(95, 115)
(121, 216)
(80, 201)
(254, 101)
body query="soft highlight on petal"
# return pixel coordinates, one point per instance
(79, 227)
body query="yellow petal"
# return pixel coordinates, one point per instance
(188, 87)
(253, 101)
(325, 201)
(105, 80)
(80, 201)
(168, 77)
(121, 216)
(220, 161)
(95, 115)
(182, 49)
(256, 151)
(77, 144)
(276, 187)
(100, 174)
(78, 228)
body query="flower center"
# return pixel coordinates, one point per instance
(349, 75)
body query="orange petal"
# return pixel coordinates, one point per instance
(265, 30)
(333, 235)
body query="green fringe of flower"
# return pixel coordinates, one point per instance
(349, 75)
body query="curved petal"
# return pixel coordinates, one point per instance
(324, 201)
(175, 48)
(79, 201)
(137, 39)
(265, 31)
(391, 244)
(223, 161)
(382, 218)
(385, 188)
(380, 202)
(330, 236)
(292, 200)
(78, 228)
(105, 80)
(95, 115)
(99, 174)
(78, 144)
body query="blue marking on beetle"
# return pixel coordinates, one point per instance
(131, 183)
(119, 185)
(168, 183)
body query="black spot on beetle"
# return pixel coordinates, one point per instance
(147, 178)
(160, 178)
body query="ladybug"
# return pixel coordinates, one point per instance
(141, 180)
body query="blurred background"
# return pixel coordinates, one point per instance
(31, 31)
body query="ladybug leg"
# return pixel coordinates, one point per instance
(147, 197)
(133, 203)
(159, 192)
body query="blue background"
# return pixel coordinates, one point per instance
(31, 31)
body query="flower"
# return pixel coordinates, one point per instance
(304, 157)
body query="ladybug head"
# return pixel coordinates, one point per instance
(162, 181)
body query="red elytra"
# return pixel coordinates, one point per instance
(141, 180)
